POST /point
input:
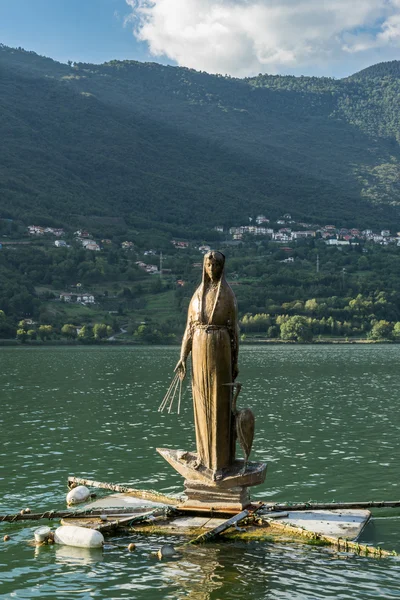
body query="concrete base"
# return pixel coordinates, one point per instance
(207, 490)
(212, 497)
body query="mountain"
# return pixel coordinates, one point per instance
(151, 146)
(383, 69)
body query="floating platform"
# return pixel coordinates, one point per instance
(311, 526)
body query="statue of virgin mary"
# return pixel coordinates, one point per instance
(211, 336)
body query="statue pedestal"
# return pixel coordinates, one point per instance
(230, 491)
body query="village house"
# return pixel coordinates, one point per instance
(178, 244)
(35, 230)
(85, 298)
(92, 246)
(219, 228)
(127, 245)
(65, 297)
(82, 233)
(80, 298)
(148, 268)
(152, 269)
(261, 219)
(251, 229)
(337, 242)
(60, 244)
(300, 235)
(54, 231)
(281, 237)
(204, 249)
(377, 239)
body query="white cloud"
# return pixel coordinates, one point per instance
(243, 37)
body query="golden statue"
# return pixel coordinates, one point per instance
(212, 337)
(213, 476)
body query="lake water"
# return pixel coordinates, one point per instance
(327, 423)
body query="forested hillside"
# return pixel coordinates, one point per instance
(144, 165)
(151, 143)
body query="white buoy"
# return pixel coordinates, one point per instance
(78, 495)
(80, 537)
(42, 533)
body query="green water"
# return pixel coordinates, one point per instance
(327, 423)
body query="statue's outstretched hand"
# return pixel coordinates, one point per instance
(181, 368)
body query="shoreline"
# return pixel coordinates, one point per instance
(250, 342)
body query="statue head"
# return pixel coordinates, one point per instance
(214, 265)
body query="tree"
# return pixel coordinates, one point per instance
(7, 329)
(311, 306)
(381, 330)
(69, 331)
(101, 331)
(396, 330)
(297, 329)
(23, 325)
(85, 333)
(148, 335)
(22, 335)
(45, 331)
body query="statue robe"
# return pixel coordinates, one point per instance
(212, 329)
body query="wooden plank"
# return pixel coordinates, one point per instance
(211, 535)
(151, 495)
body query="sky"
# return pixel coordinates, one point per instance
(237, 37)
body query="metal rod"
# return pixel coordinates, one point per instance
(300, 506)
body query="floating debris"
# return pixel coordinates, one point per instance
(42, 534)
(78, 495)
(167, 551)
(80, 537)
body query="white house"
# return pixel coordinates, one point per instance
(298, 235)
(85, 299)
(65, 297)
(60, 243)
(336, 242)
(92, 246)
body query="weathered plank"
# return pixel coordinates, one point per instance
(151, 495)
